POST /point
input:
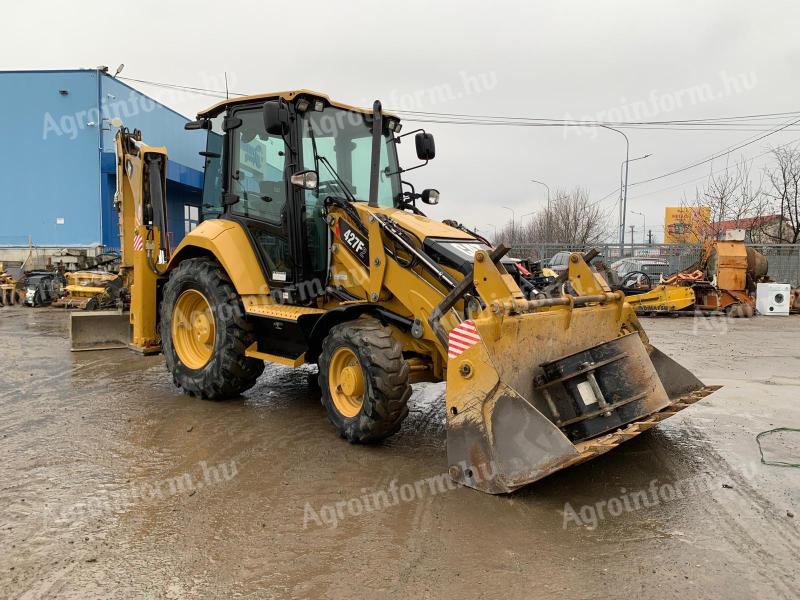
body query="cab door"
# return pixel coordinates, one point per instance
(257, 163)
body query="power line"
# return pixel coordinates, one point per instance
(751, 159)
(718, 155)
(468, 119)
(175, 86)
(757, 128)
(592, 122)
(707, 124)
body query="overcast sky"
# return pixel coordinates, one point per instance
(607, 61)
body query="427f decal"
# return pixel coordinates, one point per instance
(355, 242)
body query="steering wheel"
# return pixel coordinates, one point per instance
(637, 280)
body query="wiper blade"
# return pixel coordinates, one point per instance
(339, 181)
(326, 162)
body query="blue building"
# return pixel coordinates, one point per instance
(57, 163)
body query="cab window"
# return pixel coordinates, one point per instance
(257, 166)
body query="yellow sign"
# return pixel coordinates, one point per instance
(685, 224)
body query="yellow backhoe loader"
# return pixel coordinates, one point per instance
(322, 255)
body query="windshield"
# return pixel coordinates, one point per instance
(343, 142)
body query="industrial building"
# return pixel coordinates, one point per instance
(58, 166)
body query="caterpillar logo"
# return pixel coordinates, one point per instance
(356, 242)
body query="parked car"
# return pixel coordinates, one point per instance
(42, 287)
(639, 271)
(560, 261)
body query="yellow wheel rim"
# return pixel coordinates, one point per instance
(193, 329)
(346, 382)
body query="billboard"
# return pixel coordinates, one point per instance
(685, 224)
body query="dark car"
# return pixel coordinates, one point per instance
(42, 287)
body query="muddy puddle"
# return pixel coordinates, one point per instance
(114, 484)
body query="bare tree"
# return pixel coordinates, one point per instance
(733, 199)
(572, 220)
(784, 192)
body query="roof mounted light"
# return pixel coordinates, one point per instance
(302, 105)
(394, 126)
(319, 105)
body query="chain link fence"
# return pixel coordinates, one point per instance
(784, 259)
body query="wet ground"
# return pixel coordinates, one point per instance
(114, 484)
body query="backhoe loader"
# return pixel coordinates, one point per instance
(323, 255)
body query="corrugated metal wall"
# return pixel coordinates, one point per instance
(49, 161)
(56, 184)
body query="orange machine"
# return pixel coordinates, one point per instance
(730, 270)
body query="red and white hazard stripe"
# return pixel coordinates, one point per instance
(138, 242)
(462, 338)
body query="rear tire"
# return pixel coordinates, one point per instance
(217, 367)
(375, 362)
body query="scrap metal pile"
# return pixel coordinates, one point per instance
(723, 280)
(85, 290)
(9, 292)
(90, 290)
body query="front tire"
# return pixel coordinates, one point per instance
(364, 380)
(204, 333)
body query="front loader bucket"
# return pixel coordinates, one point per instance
(530, 394)
(99, 330)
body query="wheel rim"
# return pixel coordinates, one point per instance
(193, 329)
(346, 382)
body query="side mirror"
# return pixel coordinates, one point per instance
(198, 124)
(308, 180)
(426, 149)
(430, 196)
(276, 117)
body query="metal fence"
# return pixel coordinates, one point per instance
(784, 259)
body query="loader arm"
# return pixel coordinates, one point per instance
(532, 385)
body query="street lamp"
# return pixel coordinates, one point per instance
(622, 164)
(624, 203)
(623, 191)
(548, 207)
(644, 226)
(513, 220)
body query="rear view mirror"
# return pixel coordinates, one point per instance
(426, 149)
(308, 180)
(276, 117)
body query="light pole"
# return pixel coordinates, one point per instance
(644, 226)
(513, 220)
(547, 230)
(623, 191)
(624, 203)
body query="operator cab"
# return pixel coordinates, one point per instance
(272, 160)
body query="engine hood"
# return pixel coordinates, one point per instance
(448, 246)
(424, 227)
